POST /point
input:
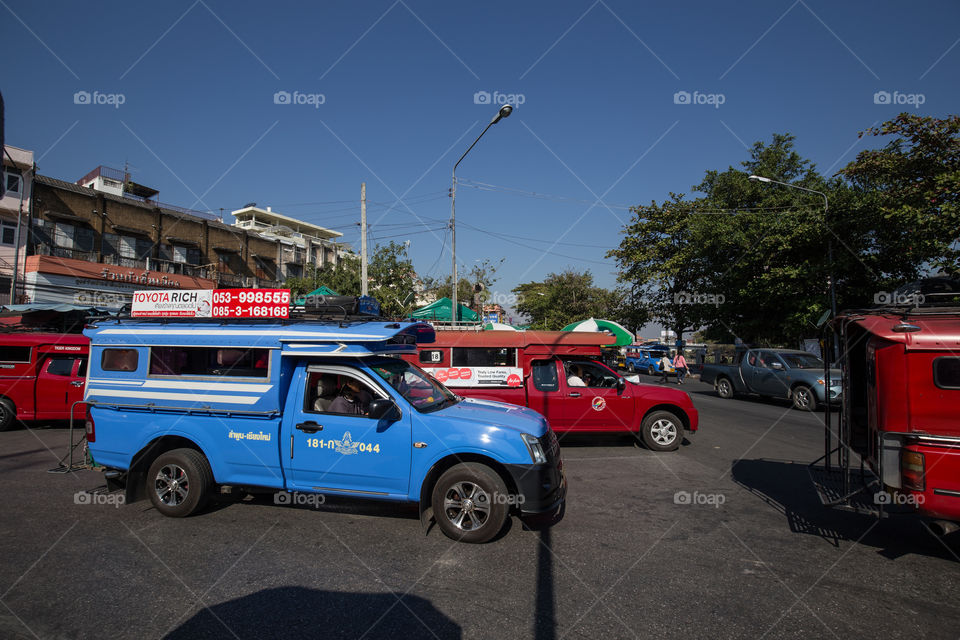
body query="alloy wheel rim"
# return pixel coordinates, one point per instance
(172, 485)
(466, 505)
(664, 432)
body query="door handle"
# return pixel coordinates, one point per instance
(76, 383)
(310, 427)
(574, 394)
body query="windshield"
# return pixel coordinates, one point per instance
(802, 360)
(415, 385)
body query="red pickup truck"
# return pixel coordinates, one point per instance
(558, 374)
(41, 376)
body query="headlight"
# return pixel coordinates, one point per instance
(535, 448)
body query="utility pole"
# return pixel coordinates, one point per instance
(363, 238)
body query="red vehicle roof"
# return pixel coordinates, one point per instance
(941, 331)
(29, 338)
(581, 342)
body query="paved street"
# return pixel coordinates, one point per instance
(750, 554)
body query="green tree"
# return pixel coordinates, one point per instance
(564, 298)
(344, 278)
(392, 279)
(483, 273)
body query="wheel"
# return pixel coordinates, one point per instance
(179, 482)
(662, 431)
(650, 370)
(470, 502)
(803, 398)
(8, 415)
(724, 388)
(631, 368)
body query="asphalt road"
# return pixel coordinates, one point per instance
(723, 538)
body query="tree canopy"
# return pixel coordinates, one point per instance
(563, 298)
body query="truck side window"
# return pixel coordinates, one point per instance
(431, 356)
(60, 366)
(946, 372)
(544, 374)
(484, 356)
(209, 361)
(119, 360)
(82, 368)
(15, 354)
(339, 394)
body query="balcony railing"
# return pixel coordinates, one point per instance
(64, 252)
(122, 261)
(181, 268)
(231, 281)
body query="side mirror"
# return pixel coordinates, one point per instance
(384, 409)
(621, 384)
(776, 366)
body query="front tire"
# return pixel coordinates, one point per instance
(804, 399)
(650, 370)
(662, 431)
(179, 482)
(724, 388)
(8, 415)
(470, 503)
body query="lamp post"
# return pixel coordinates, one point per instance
(504, 112)
(833, 295)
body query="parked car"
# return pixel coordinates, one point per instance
(648, 358)
(41, 376)
(794, 375)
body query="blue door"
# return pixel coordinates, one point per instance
(332, 446)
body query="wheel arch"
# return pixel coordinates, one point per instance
(441, 465)
(670, 408)
(141, 461)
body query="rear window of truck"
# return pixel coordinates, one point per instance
(209, 362)
(946, 372)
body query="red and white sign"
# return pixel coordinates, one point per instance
(251, 303)
(212, 303)
(478, 376)
(191, 303)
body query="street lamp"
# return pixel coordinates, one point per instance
(504, 112)
(833, 295)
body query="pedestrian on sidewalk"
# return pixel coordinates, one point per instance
(680, 364)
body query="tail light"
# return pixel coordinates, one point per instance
(91, 428)
(912, 470)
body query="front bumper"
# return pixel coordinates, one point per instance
(541, 488)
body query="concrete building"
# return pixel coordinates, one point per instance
(302, 243)
(15, 199)
(98, 240)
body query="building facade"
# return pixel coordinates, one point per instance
(98, 240)
(15, 200)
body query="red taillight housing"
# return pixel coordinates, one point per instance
(912, 470)
(91, 428)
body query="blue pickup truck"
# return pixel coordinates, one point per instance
(648, 358)
(179, 408)
(794, 375)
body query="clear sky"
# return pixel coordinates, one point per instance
(392, 92)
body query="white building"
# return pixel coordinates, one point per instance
(15, 199)
(303, 243)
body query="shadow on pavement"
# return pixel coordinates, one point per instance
(786, 486)
(298, 612)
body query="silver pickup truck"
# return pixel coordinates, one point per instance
(794, 375)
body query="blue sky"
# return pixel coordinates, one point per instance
(400, 83)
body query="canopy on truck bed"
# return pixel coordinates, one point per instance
(532, 342)
(928, 331)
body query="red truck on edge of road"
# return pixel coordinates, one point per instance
(534, 369)
(42, 375)
(897, 446)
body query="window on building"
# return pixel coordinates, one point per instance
(294, 271)
(209, 361)
(63, 235)
(8, 233)
(484, 357)
(12, 181)
(119, 360)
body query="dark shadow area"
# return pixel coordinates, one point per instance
(298, 612)
(316, 502)
(786, 486)
(606, 439)
(545, 615)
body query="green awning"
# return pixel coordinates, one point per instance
(322, 291)
(442, 311)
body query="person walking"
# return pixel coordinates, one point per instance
(664, 365)
(680, 364)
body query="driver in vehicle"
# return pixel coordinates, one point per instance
(353, 399)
